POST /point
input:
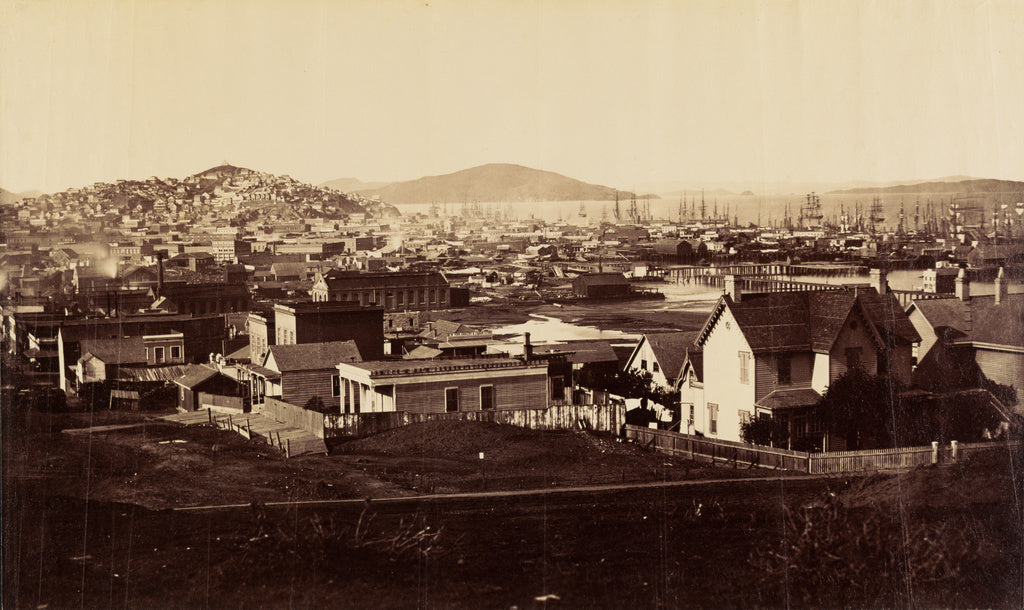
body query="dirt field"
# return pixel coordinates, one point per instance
(86, 525)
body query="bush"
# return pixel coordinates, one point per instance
(832, 556)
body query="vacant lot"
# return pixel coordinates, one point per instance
(86, 525)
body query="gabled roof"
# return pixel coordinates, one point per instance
(580, 352)
(1001, 324)
(953, 313)
(422, 352)
(979, 318)
(124, 350)
(811, 319)
(442, 329)
(311, 356)
(672, 350)
(196, 374)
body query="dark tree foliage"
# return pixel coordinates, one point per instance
(316, 404)
(956, 416)
(762, 431)
(632, 384)
(861, 408)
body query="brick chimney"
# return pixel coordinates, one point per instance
(1002, 287)
(159, 274)
(527, 348)
(963, 285)
(733, 289)
(879, 281)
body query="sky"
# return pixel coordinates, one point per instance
(620, 93)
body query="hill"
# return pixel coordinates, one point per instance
(495, 182)
(353, 185)
(7, 197)
(960, 187)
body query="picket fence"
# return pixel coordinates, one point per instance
(832, 462)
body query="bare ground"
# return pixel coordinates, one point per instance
(85, 524)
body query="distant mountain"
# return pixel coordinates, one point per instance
(960, 187)
(495, 182)
(7, 197)
(353, 185)
(697, 193)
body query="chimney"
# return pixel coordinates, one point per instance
(879, 281)
(1002, 287)
(732, 288)
(963, 285)
(527, 348)
(159, 274)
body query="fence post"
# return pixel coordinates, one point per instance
(209, 414)
(288, 448)
(935, 452)
(955, 449)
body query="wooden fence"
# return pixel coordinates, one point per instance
(294, 416)
(676, 443)
(875, 459)
(204, 400)
(832, 462)
(604, 418)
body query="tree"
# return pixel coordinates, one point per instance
(861, 408)
(316, 404)
(762, 430)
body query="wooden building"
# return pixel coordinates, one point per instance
(440, 386)
(320, 322)
(601, 286)
(297, 373)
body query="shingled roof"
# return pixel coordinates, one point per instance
(311, 356)
(812, 319)
(672, 350)
(979, 318)
(124, 350)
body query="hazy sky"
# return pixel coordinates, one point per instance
(619, 93)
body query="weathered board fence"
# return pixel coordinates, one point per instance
(696, 447)
(603, 418)
(832, 462)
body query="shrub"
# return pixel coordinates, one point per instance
(833, 556)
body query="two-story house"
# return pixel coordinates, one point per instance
(663, 355)
(296, 373)
(775, 354)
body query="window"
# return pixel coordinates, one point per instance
(712, 418)
(147, 354)
(175, 352)
(744, 367)
(423, 296)
(158, 354)
(692, 414)
(335, 385)
(486, 397)
(401, 297)
(643, 365)
(744, 416)
(785, 367)
(451, 399)
(557, 388)
(655, 367)
(853, 358)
